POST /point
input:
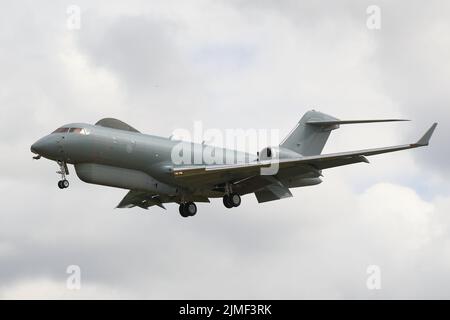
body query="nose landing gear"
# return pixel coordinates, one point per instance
(63, 184)
(63, 171)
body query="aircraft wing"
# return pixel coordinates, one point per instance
(146, 200)
(274, 191)
(214, 174)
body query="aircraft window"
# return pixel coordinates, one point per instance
(79, 131)
(61, 130)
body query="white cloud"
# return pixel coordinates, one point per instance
(51, 289)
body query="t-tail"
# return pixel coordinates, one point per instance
(310, 135)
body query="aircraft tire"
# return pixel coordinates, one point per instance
(226, 202)
(182, 210)
(65, 184)
(235, 199)
(190, 208)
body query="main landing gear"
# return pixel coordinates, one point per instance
(231, 200)
(63, 171)
(188, 209)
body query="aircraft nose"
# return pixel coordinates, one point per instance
(45, 147)
(38, 147)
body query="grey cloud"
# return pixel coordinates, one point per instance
(317, 250)
(141, 50)
(411, 56)
(315, 245)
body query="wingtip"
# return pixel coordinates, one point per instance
(425, 140)
(161, 206)
(396, 120)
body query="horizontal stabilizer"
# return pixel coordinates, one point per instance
(338, 122)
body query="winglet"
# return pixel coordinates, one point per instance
(425, 140)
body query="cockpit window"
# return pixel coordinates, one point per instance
(72, 130)
(79, 131)
(61, 130)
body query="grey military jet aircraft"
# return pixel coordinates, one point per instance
(112, 153)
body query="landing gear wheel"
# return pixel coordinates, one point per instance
(190, 208)
(183, 212)
(234, 199)
(226, 201)
(65, 183)
(187, 209)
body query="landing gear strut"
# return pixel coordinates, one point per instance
(231, 200)
(188, 209)
(63, 171)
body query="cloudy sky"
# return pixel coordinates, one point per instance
(160, 66)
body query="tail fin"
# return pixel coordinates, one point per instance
(308, 139)
(313, 130)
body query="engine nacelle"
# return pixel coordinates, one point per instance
(277, 153)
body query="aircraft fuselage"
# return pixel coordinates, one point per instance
(125, 159)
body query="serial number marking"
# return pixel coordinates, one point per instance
(246, 309)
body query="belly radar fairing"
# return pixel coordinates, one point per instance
(113, 153)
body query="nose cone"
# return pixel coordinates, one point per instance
(38, 147)
(46, 147)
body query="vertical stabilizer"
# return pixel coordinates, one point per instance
(307, 139)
